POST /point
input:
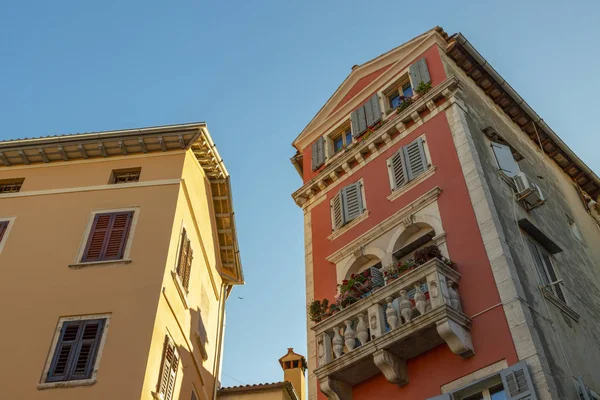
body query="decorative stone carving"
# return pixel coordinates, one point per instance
(359, 158)
(386, 138)
(415, 116)
(390, 313)
(453, 296)
(338, 343)
(373, 148)
(407, 221)
(430, 105)
(321, 185)
(392, 366)
(334, 175)
(349, 336)
(335, 390)
(457, 338)
(324, 350)
(405, 306)
(362, 329)
(420, 300)
(376, 320)
(346, 167)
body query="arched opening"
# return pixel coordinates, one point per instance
(414, 237)
(363, 263)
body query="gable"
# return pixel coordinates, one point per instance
(360, 85)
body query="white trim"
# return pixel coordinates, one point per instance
(112, 186)
(11, 222)
(88, 228)
(411, 184)
(82, 382)
(466, 380)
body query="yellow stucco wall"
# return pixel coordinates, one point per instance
(277, 394)
(38, 286)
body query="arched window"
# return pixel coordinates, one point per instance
(413, 238)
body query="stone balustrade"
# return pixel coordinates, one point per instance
(409, 316)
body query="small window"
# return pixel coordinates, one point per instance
(165, 387)
(545, 269)
(398, 93)
(11, 185)
(74, 356)
(347, 205)
(184, 264)
(340, 139)
(125, 175)
(108, 237)
(295, 364)
(505, 159)
(3, 229)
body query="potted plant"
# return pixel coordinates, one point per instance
(318, 309)
(423, 88)
(404, 103)
(427, 253)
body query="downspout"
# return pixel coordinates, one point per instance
(219, 340)
(462, 41)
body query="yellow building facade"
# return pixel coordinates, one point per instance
(117, 253)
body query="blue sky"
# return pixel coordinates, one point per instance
(256, 72)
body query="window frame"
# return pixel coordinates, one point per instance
(4, 237)
(114, 175)
(541, 249)
(11, 182)
(343, 131)
(44, 383)
(427, 162)
(396, 88)
(88, 230)
(364, 211)
(504, 147)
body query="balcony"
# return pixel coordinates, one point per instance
(407, 317)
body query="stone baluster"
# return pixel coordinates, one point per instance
(390, 313)
(405, 306)
(324, 349)
(453, 296)
(362, 329)
(349, 335)
(338, 343)
(420, 300)
(376, 320)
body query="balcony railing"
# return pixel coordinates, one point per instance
(409, 316)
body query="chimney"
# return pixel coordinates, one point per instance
(294, 367)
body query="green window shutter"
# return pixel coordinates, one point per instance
(419, 73)
(372, 110)
(337, 214)
(352, 204)
(3, 228)
(415, 160)
(318, 153)
(397, 170)
(517, 382)
(170, 362)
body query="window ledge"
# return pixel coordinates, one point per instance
(564, 308)
(339, 232)
(98, 263)
(403, 189)
(180, 289)
(66, 384)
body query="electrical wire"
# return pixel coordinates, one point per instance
(231, 377)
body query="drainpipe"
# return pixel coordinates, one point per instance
(464, 43)
(219, 340)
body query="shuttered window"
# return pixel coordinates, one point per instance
(366, 116)
(318, 153)
(347, 205)
(407, 164)
(517, 382)
(545, 269)
(419, 73)
(184, 264)
(108, 237)
(3, 229)
(76, 350)
(168, 373)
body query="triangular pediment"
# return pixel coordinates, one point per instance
(363, 78)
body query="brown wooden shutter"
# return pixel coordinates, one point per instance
(170, 361)
(108, 237)
(3, 228)
(186, 255)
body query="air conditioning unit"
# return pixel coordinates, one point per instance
(528, 191)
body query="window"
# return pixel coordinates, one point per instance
(125, 175)
(108, 236)
(505, 159)
(407, 164)
(396, 96)
(3, 229)
(545, 269)
(340, 139)
(184, 264)
(168, 372)
(366, 116)
(495, 393)
(11, 185)
(76, 351)
(347, 205)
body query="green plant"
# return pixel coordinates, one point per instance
(423, 88)
(427, 253)
(349, 284)
(317, 309)
(404, 103)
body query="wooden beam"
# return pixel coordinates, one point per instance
(24, 157)
(63, 153)
(144, 148)
(44, 155)
(181, 141)
(83, 152)
(122, 147)
(4, 159)
(161, 141)
(102, 150)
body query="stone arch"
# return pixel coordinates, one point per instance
(418, 219)
(355, 262)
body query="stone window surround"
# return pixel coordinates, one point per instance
(81, 382)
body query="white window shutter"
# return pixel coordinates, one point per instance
(318, 153)
(505, 159)
(415, 160)
(517, 382)
(372, 110)
(419, 73)
(352, 204)
(397, 170)
(359, 121)
(446, 396)
(336, 211)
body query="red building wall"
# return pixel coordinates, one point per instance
(491, 337)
